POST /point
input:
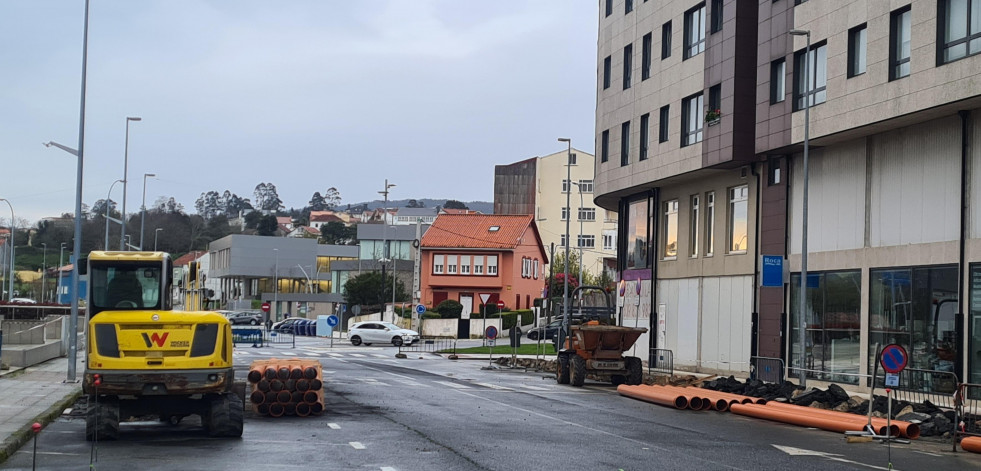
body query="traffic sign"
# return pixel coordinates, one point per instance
(332, 320)
(500, 304)
(420, 309)
(893, 358)
(491, 332)
(265, 307)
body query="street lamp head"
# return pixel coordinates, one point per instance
(800, 32)
(145, 175)
(133, 118)
(565, 139)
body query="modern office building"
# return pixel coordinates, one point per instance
(702, 113)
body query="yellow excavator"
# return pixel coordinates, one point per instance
(143, 358)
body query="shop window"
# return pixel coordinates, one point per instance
(670, 229)
(738, 219)
(637, 234)
(833, 325)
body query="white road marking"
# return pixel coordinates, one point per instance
(494, 386)
(333, 426)
(50, 453)
(792, 451)
(926, 453)
(388, 468)
(357, 355)
(534, 388)
(379, 355)
(334, 355)
(292, 354)
(357, 445)
(452, 385)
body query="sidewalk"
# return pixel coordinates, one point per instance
(34, 394)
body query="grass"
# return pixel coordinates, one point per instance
(524, 349)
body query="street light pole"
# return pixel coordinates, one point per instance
(801, 318)
(384, 251)
(156, 232)
(143, 208)
(568, 216)
(122, 235)
(44, 268)
(579, 241)
(108, 205)
(61, 263)
(10, 289)
(276, 287)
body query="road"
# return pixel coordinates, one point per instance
(429, 413)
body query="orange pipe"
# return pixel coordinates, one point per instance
(649, 394)
(972, 444)
(316, 408)
(896, 427)
(790, 417)
(262, 409)
(276, 409)
(302, 409)
(283, 397)
(257, 397)
(254, 376)
(729, 397)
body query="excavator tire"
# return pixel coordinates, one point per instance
(635, 371)
(562, 369)
(225, 416)
(578, 370)
(102, 420)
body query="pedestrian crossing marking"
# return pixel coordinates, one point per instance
(494, 386)
(452, 385)
(534, 388)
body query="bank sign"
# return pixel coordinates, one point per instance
(772, 270)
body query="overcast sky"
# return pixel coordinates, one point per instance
(307, 95)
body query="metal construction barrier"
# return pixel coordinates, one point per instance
(247, 335)
(918, 386)
(768, 370)
(278, 338)
(661, 361)
(430, 345)
(967, 402)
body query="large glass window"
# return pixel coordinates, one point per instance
(695, 31)
(492, 264)
(899, 49)
(833, 325)
(587, 214)
(637, 235)
(709, 223)
(464, 264)
(438, 264)
(915, 308)
(816, 74)
(118, 287)
(738, 219)
(960, 29)
(974, 328)
(671, 229)
(585, 240)
(692, 120)
(451, 264)
(778, 74)
(857, 44)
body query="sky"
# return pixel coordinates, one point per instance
(306, 95)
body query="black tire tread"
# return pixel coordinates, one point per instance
(578, 373)
(225, 416)
(635, 371)
(101, 420)
(562, 369)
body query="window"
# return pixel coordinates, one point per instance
(960, 26)
(645, 56)
(607, 70)
(833, 320)
(695, 31)
(709, 223)
(609, 7)
(478, 265)
(605, 146)
(572, 158)
(773, 171)
(565, 186)
(857, 44)
(625, 143)
(716, 16)
(645, 124)
(565, 214)
(693, 227)
(816, 75)
(562, 240)
(715, 98)
(586, 241)
(628, 6)
(671, 229)
(662, 132)
(534, 271)
(609, 240)
(738, 219)
(438, 264)
(451, 264)
(637, 233)
(525, 267)
(666, 40)
(692, 120)
(628, 52)
(586, 186)
(899, 43)
(587, 214)
(492, 264)
(464, 264)
(778, 77)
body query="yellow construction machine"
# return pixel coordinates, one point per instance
(143, 358)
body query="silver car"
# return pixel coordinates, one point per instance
(371, 332)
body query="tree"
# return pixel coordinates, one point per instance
(267, 225)
(415, 204)
(231, 204)
(332, 198)
(317, 202)
(370, 289)
(167, 205)
(337, 233)
(252, 219)
(266, 197)
(208, 204)
(99, 208)
(454, 204)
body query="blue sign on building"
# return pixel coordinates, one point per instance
(772, 271)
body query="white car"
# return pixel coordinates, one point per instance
(381, 332)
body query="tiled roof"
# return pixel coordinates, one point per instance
(189, 257)
(474, 231)
(324, 218)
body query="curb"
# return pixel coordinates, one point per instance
(24, 434)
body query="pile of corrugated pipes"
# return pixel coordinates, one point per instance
(286, 387)
(695, 398)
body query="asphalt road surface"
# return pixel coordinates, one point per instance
(429, 413)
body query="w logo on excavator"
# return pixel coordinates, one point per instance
(156, 338)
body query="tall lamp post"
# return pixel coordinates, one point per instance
(61, 263)
(10, 289)
(108, 205)
(565, 288)
(801, 318)
(579, 242)
(156, 232)
(122, 236)
(44, 268)
(384, 247)
(143, 207)
(276, 286)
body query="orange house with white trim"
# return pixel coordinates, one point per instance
(467, 255)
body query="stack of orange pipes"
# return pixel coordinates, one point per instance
(286, 387)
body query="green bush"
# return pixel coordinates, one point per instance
(449, 309)
(527, 316)
(431, 315)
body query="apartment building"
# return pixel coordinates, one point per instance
(888, 97)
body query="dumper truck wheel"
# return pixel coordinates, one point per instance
(225, 416)
(102, 420)
(562, 369)
(635, 371)
(617, 380)
(578, 370)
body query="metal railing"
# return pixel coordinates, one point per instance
(278, 338)
(430, 345)
(768, 370)
(918, 386)
(967, 421)
(661, 361)
(248, 335)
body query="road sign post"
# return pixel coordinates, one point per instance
(332, 321)
(490, 333)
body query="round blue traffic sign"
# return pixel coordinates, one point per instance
(332, 320)
(420, 309)
(893, 358)
(491, 332)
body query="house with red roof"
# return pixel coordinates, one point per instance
(467, 255)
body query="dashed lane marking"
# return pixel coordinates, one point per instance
(494, 386)
(357, 445)
(358, 355)
(534, 388)
(333, 426)
(387, 468)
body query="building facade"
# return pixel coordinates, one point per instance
(892, 98)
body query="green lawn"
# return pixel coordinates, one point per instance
(524, 349)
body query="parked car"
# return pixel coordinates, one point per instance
(371, 332)
(23, 301)
(286, 325)
(244, 318)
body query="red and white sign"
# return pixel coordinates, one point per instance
(500, 304)
(265, 307)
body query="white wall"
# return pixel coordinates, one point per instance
(835, 198)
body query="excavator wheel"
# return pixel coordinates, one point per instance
(102, 420)
(578, 370)
(562, 369)
(635, 371)
(617, 380)
(225, 416)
